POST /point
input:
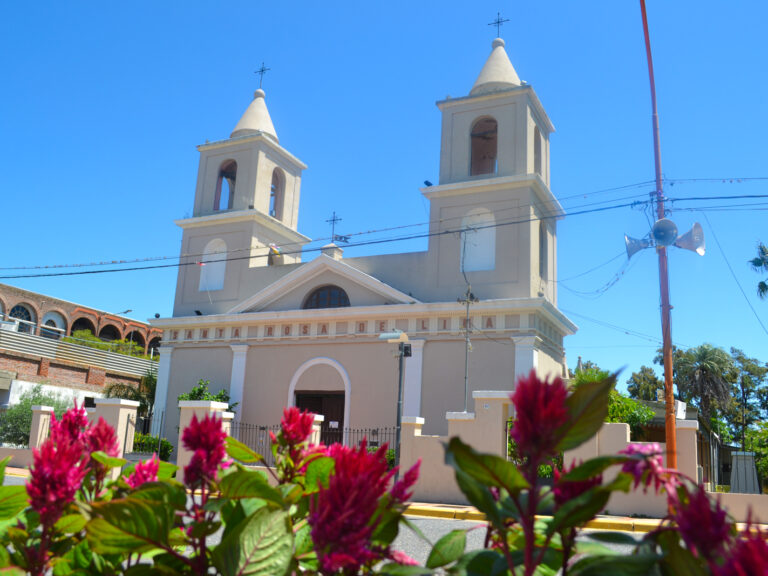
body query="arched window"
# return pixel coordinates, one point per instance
(225, 186)
(27, 317)
(213, 265)
(484, 141)
(478, 241)
(329, 296)
(54, 325)
(537, 151)
(543, 251)
(277, 194)
(109, 332)
(83, 324)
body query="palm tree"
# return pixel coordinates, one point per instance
(703, 375)
(760, 264)
(144, 393)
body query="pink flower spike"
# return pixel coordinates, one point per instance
(566, 491)
(703, 524)
(540, 411)
(400, 491)
(402, 558)
(647, 467)
(296, 425)
(56, 475)
(71, 426)
(206, 439)
(102, 437)
(749, 555)
(144, 472)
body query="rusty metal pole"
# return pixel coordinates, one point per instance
(666, 329)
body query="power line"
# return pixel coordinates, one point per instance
(351, 245)
(733, 274)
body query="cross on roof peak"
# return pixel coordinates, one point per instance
(261, 71)
(499, 22)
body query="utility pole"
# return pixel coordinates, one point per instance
(469, 298)
(669, 393)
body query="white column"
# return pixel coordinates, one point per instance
(412, 385)
(526, 355)
(237, 380)
(161, 391)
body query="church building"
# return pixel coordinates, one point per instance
(253, 318)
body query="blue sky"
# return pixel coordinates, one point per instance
(103, 105)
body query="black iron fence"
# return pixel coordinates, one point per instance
(257, 437)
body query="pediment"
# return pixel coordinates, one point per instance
(289, 292)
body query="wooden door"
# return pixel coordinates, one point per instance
(330, 405)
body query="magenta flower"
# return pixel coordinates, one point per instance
(703, 524)
(749, 556)
(402, 558)
(540, 412)
(400, 491)
(71, 427)
(342, 516)
(296, 425)
(647, 466)
(565, 490)
(102, 437)
(205, 438)
(56, 475)
(144, 472)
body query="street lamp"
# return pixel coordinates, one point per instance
(403, 351)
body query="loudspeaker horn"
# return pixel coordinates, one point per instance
(634, 245)
(693, 240)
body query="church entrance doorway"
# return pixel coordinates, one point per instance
(330, 405)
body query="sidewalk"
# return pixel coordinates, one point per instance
(615, 523)
(20, 472)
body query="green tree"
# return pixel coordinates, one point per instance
(144, 393)
(642, 385)
(760, 264)
(703, 376)
(201, 392)
(745, 407)
(16, 422)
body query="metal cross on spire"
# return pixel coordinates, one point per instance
(261, 71)
(499, 22)
(334, 237)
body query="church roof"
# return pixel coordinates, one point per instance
(498, 72)
(255, 119)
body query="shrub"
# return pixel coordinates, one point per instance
(201, 392)
(146, 443)
(16, 421)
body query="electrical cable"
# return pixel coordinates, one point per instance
(733, 274)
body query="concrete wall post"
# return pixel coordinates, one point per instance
(316, 425)
(121, 415)
(41, 424)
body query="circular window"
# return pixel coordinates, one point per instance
(20, 312)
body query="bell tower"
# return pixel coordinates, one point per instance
(245, 213)
(493, 216)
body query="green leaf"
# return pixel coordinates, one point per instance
(13, 499)
(613, 538)
(71, 523)
(246, 484)
(108, 461)
(3, 464)
(318, 473)
(166, 470)
(488, 469)
(676, 559)
(393, 569)
(129, 525)
(480, 497)
(592, 468)
(481, 563)
(587, 409)
(448, 549)
(262, 545)
(634, 565)
(240, 452)
(586, 506)
(171, 494)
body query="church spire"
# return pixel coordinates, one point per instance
(255, 119)
(498, 72)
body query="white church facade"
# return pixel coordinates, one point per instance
(275, 331)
